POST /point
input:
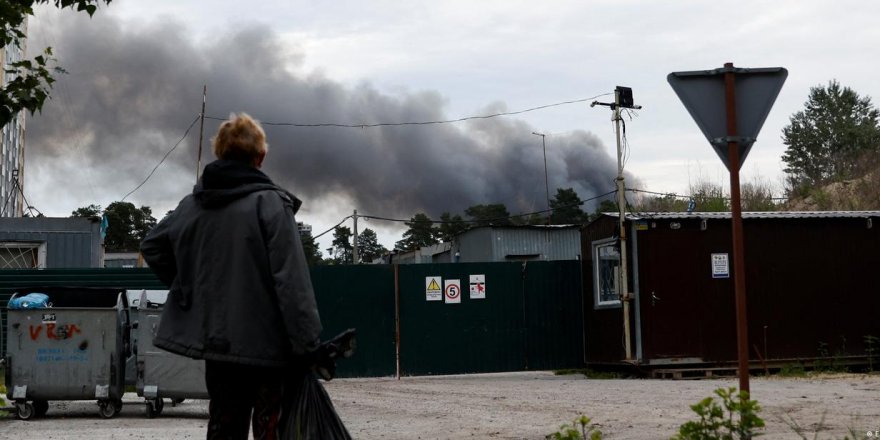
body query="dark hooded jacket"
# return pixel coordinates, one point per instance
(231, 255)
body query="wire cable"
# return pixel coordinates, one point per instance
(443, 121)
(667, 194)
(334, 227)
(163, 158)
(487, 220)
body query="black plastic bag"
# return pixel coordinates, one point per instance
(308, 411)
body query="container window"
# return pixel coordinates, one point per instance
(18, 255)
(606, 270)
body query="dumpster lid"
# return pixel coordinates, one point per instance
(147, 299)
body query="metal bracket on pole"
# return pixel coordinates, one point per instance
(741, 140)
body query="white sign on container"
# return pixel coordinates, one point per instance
(720, 266)
(478, 286)
(452, 291)
(433, 292)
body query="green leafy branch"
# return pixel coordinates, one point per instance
(30, 80)
(736, 418)
(587, 430)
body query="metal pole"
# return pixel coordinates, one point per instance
(621, 211)
(397, 320)
(739, 277)
(201, 132)
(354, 249)
(546, 181)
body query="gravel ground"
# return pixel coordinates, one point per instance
(503, 406)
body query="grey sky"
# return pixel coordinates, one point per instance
(137, 68)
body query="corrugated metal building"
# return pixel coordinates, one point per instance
(517, 243)
(123, 260)
(438, 253)
(42, 242)
(810, 278)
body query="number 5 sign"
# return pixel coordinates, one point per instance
(452, 291)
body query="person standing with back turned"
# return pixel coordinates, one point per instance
(240, 293)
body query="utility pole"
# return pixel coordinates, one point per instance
(622, 99)
(201, 131)
(354, 249)
(546, 184)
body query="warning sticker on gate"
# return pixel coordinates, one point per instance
(433, 292)
(452, 291)
(720, 266)
(478, 286)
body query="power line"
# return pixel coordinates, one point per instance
(667, 194)
(544, 211)
(163, 158)
(657, 193)
(30, 208)
(444, 121)
(334, 227)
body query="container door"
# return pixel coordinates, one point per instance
(671, 312)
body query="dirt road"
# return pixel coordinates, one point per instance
(503, 406)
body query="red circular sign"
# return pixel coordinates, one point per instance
(452, 291)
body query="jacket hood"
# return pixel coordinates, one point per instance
(225, 181)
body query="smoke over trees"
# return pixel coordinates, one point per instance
(133, 88)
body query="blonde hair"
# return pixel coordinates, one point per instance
(241, 138)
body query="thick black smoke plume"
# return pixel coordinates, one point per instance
(132, 89)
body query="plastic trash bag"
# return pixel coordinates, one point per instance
(308, 411)
(30, 301)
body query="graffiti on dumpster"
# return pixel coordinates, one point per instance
(61, 355)
(54, 331)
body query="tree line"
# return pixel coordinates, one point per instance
(565, 208)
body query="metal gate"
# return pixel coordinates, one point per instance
(531, 316)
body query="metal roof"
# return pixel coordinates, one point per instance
(746, 215)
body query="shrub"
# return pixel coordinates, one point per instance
(735, 419)
(587, 430)
(793, 370)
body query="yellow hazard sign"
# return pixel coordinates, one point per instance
(433, 292)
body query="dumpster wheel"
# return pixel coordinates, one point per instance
(41, 407)
(25, 410)
(108, 409)
(154, 408)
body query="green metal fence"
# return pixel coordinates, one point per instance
(554, 312)
(360, 297)
(531, 316)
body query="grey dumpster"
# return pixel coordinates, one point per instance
(134, 299)
(161, 374)
(75, 349)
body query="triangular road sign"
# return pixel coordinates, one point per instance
(433, 285)
(702, 93)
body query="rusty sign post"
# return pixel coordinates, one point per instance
(730, 105)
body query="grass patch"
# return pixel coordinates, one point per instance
(792, 370)
(589, 374)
